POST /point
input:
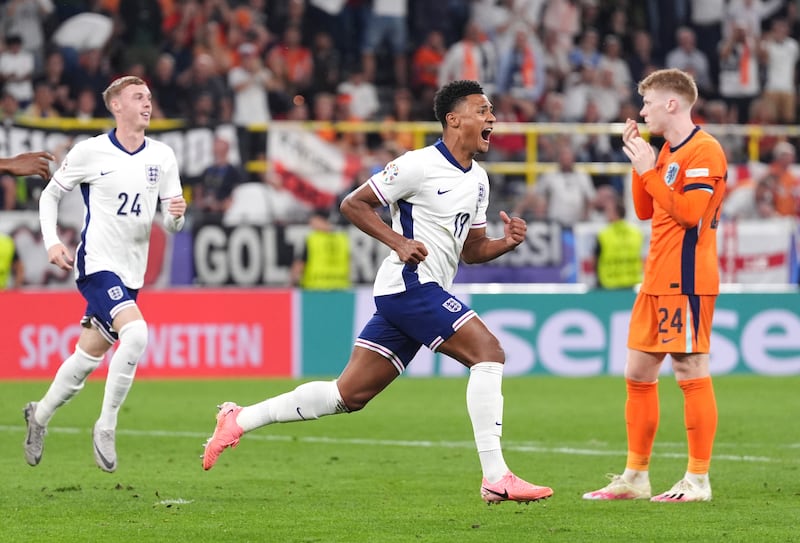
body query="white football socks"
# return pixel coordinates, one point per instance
(308, 401)
(699, 480)
(121, 370)
(636, 476)
(69, 380)
(485, 408)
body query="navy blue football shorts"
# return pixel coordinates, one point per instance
(425, 315)
(106, 297)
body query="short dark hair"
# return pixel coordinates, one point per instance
(450, 95)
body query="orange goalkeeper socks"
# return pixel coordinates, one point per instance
(641, 419)
(700, 416)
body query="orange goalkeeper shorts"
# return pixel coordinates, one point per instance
(675, 323)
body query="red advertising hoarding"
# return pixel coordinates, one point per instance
(192, 333)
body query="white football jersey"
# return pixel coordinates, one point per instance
(120, 195)
(435, 201)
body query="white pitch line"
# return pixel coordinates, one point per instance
(507, 445)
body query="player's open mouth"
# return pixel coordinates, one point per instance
(486, 134)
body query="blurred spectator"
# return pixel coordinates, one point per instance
(141, 30)
(782, 182)
(564, 196)
(56, 77)
(387, 23)
(393, 139)
(12, 269)
(662, 20)
(85, 105)
(780, 53)
(762, 113)
(687, 57)
(448, 17)
(250, 83)
(618, 253)
(607, 95)
(611, 60)
(292, 62)
(9, 109)
(556, 59)
(202, 81)
(351, 23)
(530, 12)
(25, 18)
(553, 111)
(617, 23)
(472, 58)
(717, 112)
(739, 71)
(749, 200)
(8, 191)
(42, 106)
(521, 68)
(16, 70)
(363, 96)
(164, 86)
(563, 18)
(706, 21)
(425, 65)
(593, 146)
(642, 60)
(749, 14)
(93, 71)
(283, 14)
(579, 91)
(202, 112)
(211, 40)
(211, 193)
(180, 28)
(512, 146)
(324, 262)
(327, 64)
(324, 110)
(586, 52)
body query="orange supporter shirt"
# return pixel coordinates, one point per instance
(683, 196)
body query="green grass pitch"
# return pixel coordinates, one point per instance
(402, 470)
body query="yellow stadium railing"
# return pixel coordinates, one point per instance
(531, 166)
(422, 131)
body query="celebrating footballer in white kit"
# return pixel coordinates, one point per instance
(438, 197)
(122, 176)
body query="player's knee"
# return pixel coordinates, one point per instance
(492, 352)
(85, 363)
(134, 336)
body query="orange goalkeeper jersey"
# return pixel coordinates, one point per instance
(683, 195)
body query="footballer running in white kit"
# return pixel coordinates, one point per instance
(121, 176)
(438, 197)
(120, 193)
(433, 200)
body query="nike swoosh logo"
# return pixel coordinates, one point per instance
(440, 191)
(300, 414)
(105, 173)
(668, 340)
(102, 458)
(498, 423)
(504, 494)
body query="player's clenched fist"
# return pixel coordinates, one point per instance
(411, 251)
(514, 228)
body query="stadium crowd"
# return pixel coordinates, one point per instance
(248, 62)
